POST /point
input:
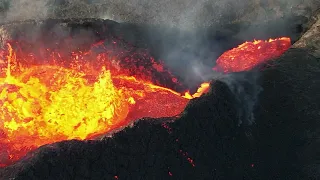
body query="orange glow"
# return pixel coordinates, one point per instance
(85, 94)
(46, 103)
(250, 54)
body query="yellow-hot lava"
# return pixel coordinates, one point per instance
(54, 99)
(42, 104)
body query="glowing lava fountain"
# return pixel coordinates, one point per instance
(90, 94)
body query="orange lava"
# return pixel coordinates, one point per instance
(85, 94)
(250, 54)
(47, 103)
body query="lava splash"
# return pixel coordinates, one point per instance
(85, 94)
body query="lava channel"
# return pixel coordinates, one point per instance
(47, 102)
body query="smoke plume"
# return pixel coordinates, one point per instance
(188, 35)
(18, 10)
(246, 89)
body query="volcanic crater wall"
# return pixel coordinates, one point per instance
(206, 142)
(183, 14)
(188, 54)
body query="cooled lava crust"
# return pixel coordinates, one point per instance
(206, 142)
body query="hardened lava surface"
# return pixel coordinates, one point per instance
(206, 141)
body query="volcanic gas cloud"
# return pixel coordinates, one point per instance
(84, 94)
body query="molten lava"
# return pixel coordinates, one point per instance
(46, 103)
(250, 54)
(60, 97)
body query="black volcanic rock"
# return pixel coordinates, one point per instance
(287, 119)
(206, 141)
(281, 144)
(150, 149)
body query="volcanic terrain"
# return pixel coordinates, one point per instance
(96, 99)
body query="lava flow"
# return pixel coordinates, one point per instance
(87, 94)
(250, 54)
